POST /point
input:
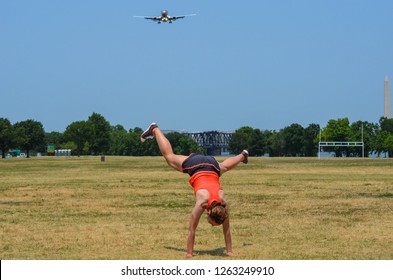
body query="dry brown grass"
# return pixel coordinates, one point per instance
(138, 208)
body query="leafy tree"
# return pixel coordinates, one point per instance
(311, 138)
(241, 139)
(363, 131)
(384, 138)
(137, 148)
(6, 136)
(267, 135)
(254, 140)
(80, 133)
(56, 139)
(258, 143)
(30, 135)
(337, 130)
(277, 144)
(383, 143)
(70, 145)
(119, 139)
(388, 144)
(293, 136)
(182, 144)
(101, 129)
(386, 124)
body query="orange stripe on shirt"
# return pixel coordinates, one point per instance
(201, 164)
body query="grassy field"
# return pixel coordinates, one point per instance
(138, 208)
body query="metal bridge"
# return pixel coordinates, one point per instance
(214, 142)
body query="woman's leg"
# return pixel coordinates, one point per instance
(165, 146)
(231, 162)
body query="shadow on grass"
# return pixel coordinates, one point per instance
(215, 252)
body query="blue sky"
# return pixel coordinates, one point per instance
(264, 64)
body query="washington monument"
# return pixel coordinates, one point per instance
(387, 99)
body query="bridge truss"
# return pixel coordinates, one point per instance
(214, 142)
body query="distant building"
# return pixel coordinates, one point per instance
(387, 98)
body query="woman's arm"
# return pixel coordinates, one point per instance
(194, 221)
(228, 238)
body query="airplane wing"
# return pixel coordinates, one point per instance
(148, 17)
(153, 18)
(182, 16)
(176, 17)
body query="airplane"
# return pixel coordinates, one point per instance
(164, 17)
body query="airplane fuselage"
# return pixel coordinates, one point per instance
(164, 16)
(164, 13)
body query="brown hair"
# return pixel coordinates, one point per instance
(218, 212)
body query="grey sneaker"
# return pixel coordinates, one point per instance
(148, 133)
(245, 154)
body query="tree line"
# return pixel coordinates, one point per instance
(96, 136)
(294, 140)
